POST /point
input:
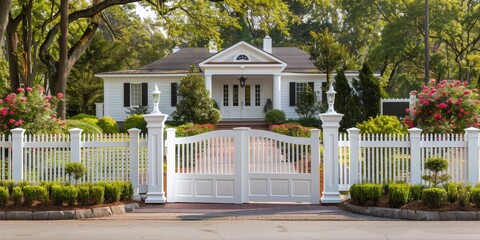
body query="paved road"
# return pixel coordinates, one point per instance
(236, 229)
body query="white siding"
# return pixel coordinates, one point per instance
(290, 111)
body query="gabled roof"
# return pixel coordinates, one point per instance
(179, 62)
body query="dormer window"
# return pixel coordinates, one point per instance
(242, 58)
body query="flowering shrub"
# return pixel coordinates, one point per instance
(291, 130)
(34, 111)
(193, 129)
(446, 107)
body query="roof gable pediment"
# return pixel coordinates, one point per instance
(242, 53)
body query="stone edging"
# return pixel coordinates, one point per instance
(69, 214)
(413, 214)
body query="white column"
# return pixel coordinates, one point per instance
(155, 125)
(330, 124)
(315, 146)
(17, 153)
(241, 144)
(75, 148)
(134, 154)
(208, 83)
(415, 163)
(353, 152)
(277, 92)
(170, 148)
(472, 155)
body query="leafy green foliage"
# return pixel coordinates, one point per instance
(275, 116)
(195, 105)
(436, 165)
(382, 124)
(82, 116)
(463, 195)
(98, 194)
(452, 191)
(434, 197)
(4, 196)
(17, 195)
(87, 128)
(398, 194)
(41, 193)
(137, 110)
(475, 196)
(113, 191)
(70, 194)
(193, 129)
(127, 191)
(136, 121)
(75, 170)
(108, 125)
(8, 184)
(415, 192)
(366, 193)
(84, 195)
(346, 102)
(29, 194)
(307, 105)
(368, 90)
(291, 130)
(309, 122)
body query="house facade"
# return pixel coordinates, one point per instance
(241, 79)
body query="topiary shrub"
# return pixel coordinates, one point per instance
(70, 194)
(98, 194)
(17, 195)
(398, 194)
(113, 192)
(56, 194)
(87, 128)
(108, 125)
(434, 197)
(452, 191)
(415, 192)
(136, 121)
(4, 196)
(436, 165)
(309, 122)
(75, 170)
(82, 116)
(366, 193)
(127, 191)
(41, 193)
(382, 124)
(275, 116)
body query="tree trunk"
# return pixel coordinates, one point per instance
(12, 42)
(5, 6)
(61, 82)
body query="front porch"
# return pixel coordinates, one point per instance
(253, 123)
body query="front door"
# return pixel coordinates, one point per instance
(242, 102)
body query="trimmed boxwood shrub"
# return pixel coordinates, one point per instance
(41, 193)
(8, 184)
(434, 197)
(82, 116)
(127, 190)
(452, 191)
(84, 195)
(87, 128)
(463, 195)
(415, 192)
(475, 196)
(136, 121)
(4, 196)
(275, 116)
(17, 195)
(309, 122)
(113, 191)
(108, 125)
(98, 194)
(56, 194)
(366, 193)
(398, 194)
(382, 124)
(29, 194)
(70, 194)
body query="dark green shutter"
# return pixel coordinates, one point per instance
(144, 94)
(173, 100)
(324, 92)
(292, 94)
(311, 84)
(126, 94)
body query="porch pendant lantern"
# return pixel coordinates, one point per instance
(242, 80)
(156, 99)
(331, 99)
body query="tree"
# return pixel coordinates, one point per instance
(196, 105)
(368, 90)
(307, 105)
(347, 102)
(5, 6)
(326, 53)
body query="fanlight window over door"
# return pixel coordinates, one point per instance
(242, 58)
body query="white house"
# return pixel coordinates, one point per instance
(275, 73)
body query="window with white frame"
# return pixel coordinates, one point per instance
(136, 94)
(299, 89)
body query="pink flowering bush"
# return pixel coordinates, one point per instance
(34, 112)
(446, 107)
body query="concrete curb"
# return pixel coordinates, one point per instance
(413, 214)
(69, 214)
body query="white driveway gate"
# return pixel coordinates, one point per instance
(242, 165)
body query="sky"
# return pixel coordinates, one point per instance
(143, 12)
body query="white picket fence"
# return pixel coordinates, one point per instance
(108, 157)
(383, 158)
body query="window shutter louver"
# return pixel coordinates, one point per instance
(292, 94)
(126, 94)
(144, 94)
(311, 85)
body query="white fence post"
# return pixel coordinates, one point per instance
(330, 124)
(472, 155)
(17, 153)
(241, 158)
(354, 155)
(315, 164)
(415, 148)
(170, 142)
(134, 155)
(155, 125)
(75, 144)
